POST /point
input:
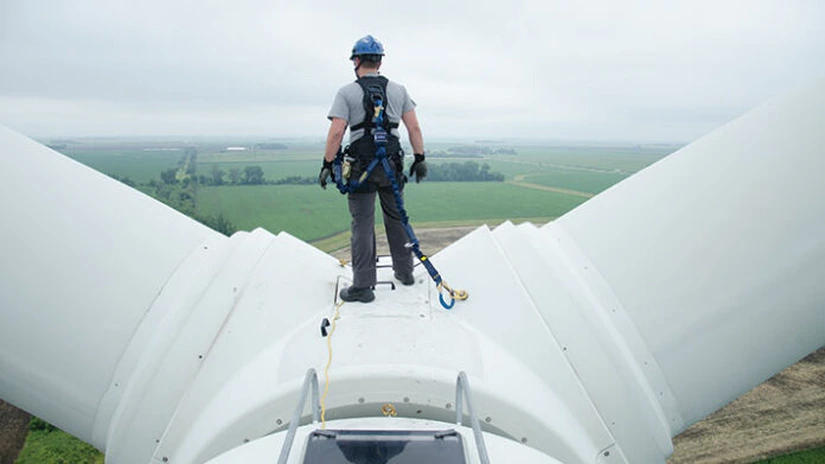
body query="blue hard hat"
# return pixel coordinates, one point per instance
(367, 45)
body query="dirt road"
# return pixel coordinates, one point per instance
(519, 181)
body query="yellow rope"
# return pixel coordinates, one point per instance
(326, 369)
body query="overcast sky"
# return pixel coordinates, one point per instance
(647, 71)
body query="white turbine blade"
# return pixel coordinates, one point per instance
(84, 257)
(717, 252)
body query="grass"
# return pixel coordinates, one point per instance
(140, 166)
(537, 160)
(310, 213)
(813, 456)
(273, 170)
(304, 211)
(57, 447)
(468, 201)
(623, 158)
(293, 152)
(584, 181)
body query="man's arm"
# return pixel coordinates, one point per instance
(413, 131)
(419, 167)
(334, 137)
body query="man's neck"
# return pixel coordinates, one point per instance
(362, 71)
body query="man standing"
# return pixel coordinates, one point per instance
(354, 106)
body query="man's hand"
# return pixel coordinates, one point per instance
(326, 172)
(418, 168)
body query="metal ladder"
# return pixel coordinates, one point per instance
(462, 394)
(311, 380)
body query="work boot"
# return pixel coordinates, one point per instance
(364, 295)
(406, 279)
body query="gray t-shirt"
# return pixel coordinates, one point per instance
(349, 105)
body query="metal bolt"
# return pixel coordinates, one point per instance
(449, 406)
(361, 400)
(165, 459)
(279, 422)
(524, 439)
(606, 453)
(406, 399)
(488, 419)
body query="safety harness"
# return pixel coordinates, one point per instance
(374, 98)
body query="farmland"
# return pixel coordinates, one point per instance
(571, 174)
(310, 213)
(136, 164)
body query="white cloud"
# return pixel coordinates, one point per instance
(588, 69)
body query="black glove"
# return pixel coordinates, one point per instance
(326, 172)
(418, 168)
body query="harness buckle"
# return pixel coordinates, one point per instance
(346, 168)
(380, 137)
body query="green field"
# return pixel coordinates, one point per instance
(310, 213)
(589, 182)
(495, 201)
(57, 447)
(273, 170)
(814, 456)
(607, 157)
(139, 165)
(305, 211)
(294, 152)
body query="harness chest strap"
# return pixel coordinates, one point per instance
(375, 89)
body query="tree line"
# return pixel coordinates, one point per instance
(468, 171)
(249, 175)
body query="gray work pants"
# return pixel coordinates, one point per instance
(362, 209)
